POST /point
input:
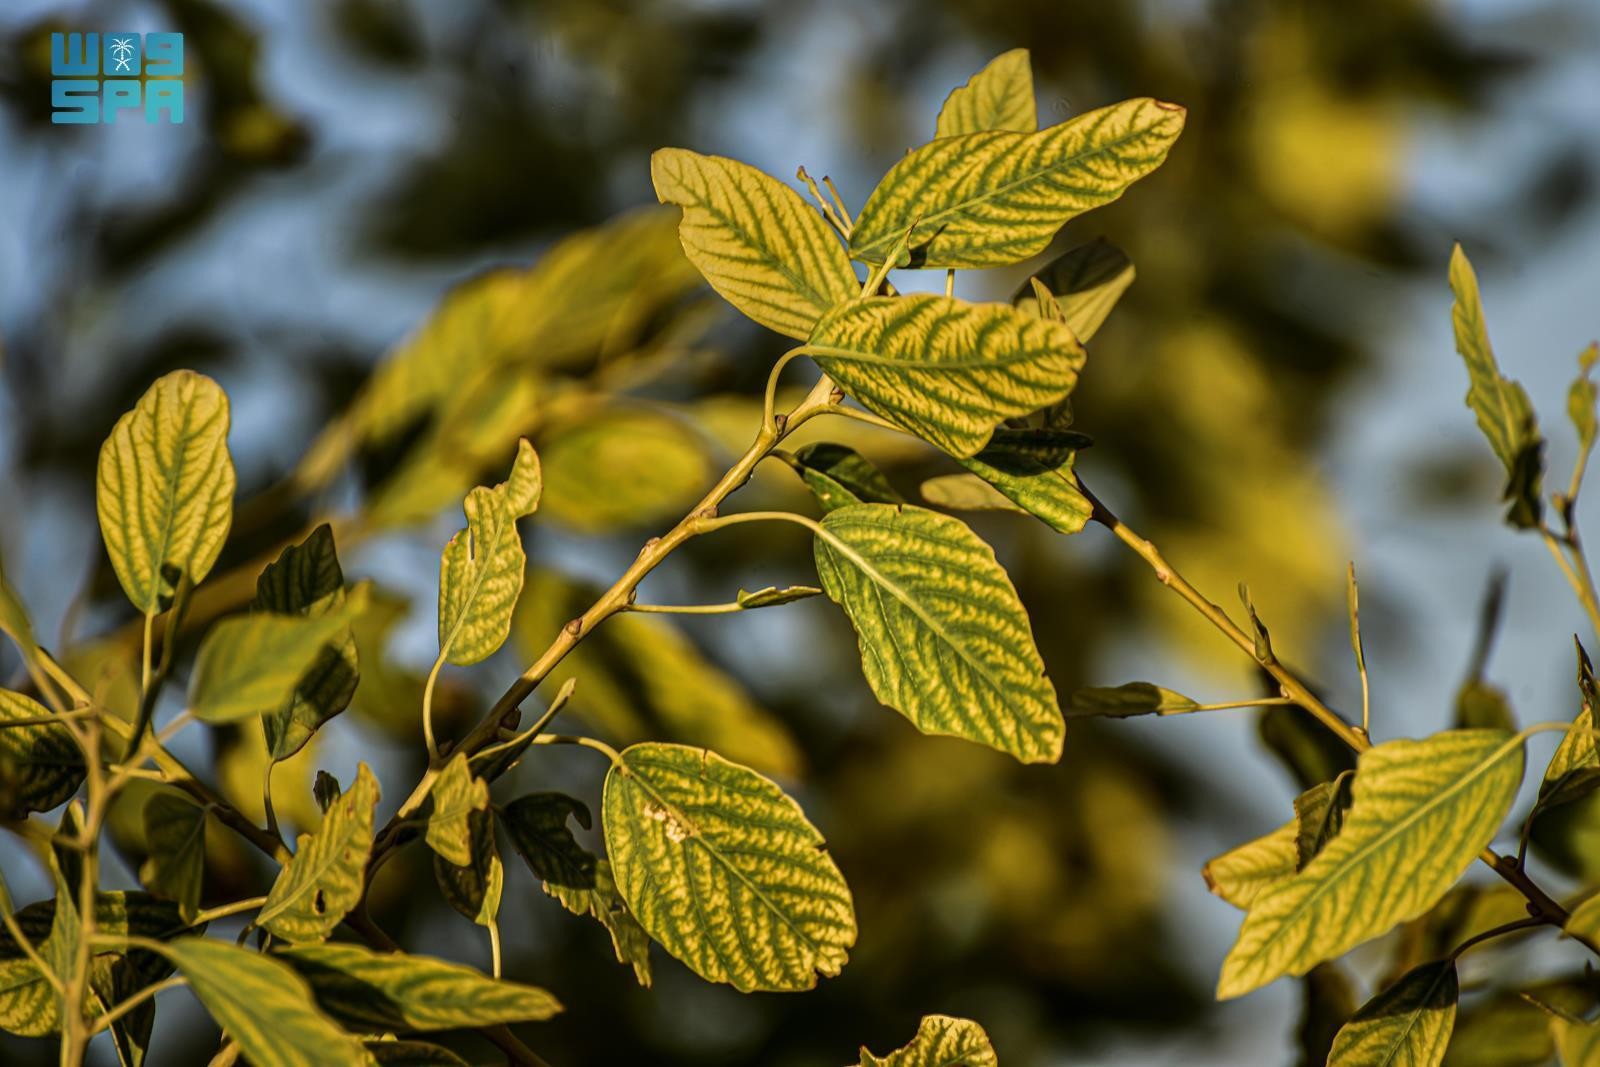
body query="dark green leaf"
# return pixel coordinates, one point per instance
(306, 580)
(1130, 698)
(839, 476)
(175, 834)
(390, 991)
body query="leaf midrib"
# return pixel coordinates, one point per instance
(1361, 856)
(931, 220)
(677, 813)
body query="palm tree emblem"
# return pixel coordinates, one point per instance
(122, 53)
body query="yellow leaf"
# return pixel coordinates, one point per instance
(995, 198)
(761, 246)
(164, 491)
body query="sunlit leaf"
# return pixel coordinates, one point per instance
(385, 991)
(164, 491)
(1422, 811)
(1130, 698)
(261, 1003)
(1406, 1025)
(998, 97)
(993, 198)
(1084, 283)
(1504, 414)
(1574, 768)
(480, 573)
(324, 879)
(838, 476)
(723, 870)
(175, 833)
(768, 252)
(582, 882)
(306, 580)
(1581, 398)
(944, 638)
(1577, 1043)
(1319, 815)
(941, 1041)
(1033, 470)
(252, 665)
(965, 492)
(617, 468)
(1242, 874)
(28, 1006)
(947, 370)
(41, 765)
(456, 794)
(591, 290)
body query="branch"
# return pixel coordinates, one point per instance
(1540, 904)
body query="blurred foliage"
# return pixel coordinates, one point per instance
(1207, 393)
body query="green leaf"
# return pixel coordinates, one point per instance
(941, 1041)
(1326, 1002)
(998, 97)
(1584, 922)
(756, 241)
(995, 198)
(306, 580)
(589, 293)
(1242, 874)
(456, 794)
(1504, 414)
(772, 596)
(388, 991)
(41, 765)
(1480, 705)
(14, 620)
(252, 665)
(1319, 815)
(480, 573)
(1422, 811)
(616, 468)
(1574, 768)
(28, 1005)
(723, 870)
(1577, 1043)
(323, 881)
(839, 476)
(1310, 751)
(1407, 1025)
(165, 488)
(1581, 401)
(1122, 701)
(261, 1003)
(1032, 469)
(325, 790)
(412, 1054)
(582, 883)
(965, 492)
(1085, 283)
(946, 370)
(175, 833)
(474, 888)
(944, 638)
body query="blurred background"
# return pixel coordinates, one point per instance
(1277, 394)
